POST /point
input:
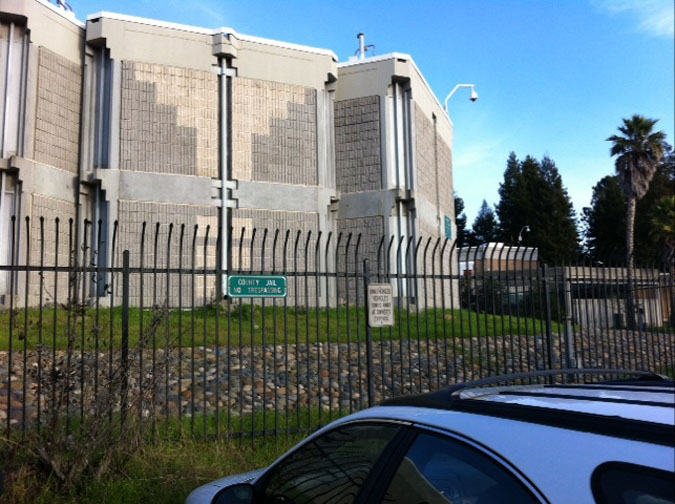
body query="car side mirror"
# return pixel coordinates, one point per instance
(241, 493)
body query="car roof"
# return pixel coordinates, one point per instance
(641, 407)
(649, 403)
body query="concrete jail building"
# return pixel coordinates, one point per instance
(130, 120)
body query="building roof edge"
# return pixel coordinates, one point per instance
(67, 15)
(210, 31)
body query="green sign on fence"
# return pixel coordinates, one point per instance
(448, 227)
(264, 286)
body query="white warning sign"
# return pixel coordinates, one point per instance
(380, 305)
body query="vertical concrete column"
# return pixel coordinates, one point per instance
(14, 58)
(101, 108)
(7, 91)
(325, 145)
(226, 48)
(439, 214)
(115, 112)
(403, 150)
(83, 200)
(224, 214)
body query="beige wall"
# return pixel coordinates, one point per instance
(425, 157)
(357, 144)
(57, 125)
(371, 230)
(42, 121)
(446, 187)
(433, 164)
(132, 214)
(50, 209)
(169, 121)
(251, 258)
(274, 132)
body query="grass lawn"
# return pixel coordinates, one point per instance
(162, 473)
(173, 462)
(240, 325)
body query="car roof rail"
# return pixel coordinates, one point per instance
(460, 387)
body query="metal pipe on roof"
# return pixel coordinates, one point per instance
(362, 45)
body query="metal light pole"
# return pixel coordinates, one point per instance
(474, 95)
(520, 234)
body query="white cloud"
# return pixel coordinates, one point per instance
(655, 17)
(478, 153)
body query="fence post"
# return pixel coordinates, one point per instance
(549, 328)
(570, 351)
(369, 334)
(125, 335)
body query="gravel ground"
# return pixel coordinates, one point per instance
(334, 376)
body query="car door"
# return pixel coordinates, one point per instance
(335, 467)
(440, 468)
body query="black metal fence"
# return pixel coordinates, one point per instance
(140, 326)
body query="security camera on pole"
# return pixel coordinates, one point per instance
(474, 95)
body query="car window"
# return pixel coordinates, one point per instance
(439, 470)
(329, 469)
(623, 483)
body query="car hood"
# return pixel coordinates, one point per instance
(205, 494)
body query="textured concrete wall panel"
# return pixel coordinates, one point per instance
(252, 258)
(50, 209)
(371, 230)
(274, 132)
(357, 144)
(132, 214)
(169, 120)
(425, 162)
(447, 198)
(57, 122)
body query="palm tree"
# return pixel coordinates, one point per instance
(639, 150)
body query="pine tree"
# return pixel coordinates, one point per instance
(647, 248)
(605, 221)
(460, 222)
(511, 198)
(532, 194)
(558, 211)
(485, 227)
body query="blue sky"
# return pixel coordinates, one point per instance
(554, 76)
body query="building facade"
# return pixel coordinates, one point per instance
(121, 126)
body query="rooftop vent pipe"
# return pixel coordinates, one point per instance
(363, 48)
(64, 5)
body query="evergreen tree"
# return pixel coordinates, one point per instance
(511, 199)
(485, 227)
(460, 222)
(605, 220)
(557, 217)
(532, 194)
(663, 226)
(648, 249)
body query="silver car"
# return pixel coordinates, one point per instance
(610, 442)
